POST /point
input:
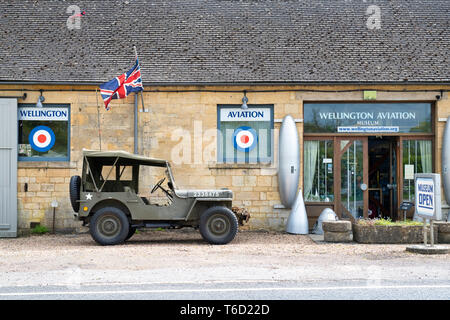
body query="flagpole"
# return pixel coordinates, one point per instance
(136, 147)
(135, 52)
(98, 121)
(142, 96)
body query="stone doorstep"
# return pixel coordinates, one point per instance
(422, 249)
(338, 236)
(443, 231)
(317, 238)
(337, 226)
(443, 237)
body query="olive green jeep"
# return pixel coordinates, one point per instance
(106, 197)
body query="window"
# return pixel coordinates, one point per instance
(417, 158)
(245, 135)
(44, 132)
(318, 170)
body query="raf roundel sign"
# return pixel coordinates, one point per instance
(245, 139)
(42, 138)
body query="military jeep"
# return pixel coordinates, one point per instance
(106, 198)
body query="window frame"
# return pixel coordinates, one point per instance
(43, 158)
(428, 137)
(220, 154)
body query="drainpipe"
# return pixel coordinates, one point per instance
(135, 123)
(15, 97)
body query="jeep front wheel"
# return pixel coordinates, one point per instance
(218, 225)
(130, 233)
(109, 226)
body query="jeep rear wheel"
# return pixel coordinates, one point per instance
(218, 225)
(109, 226)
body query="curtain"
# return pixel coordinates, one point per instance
(425, 155)
(310, 162)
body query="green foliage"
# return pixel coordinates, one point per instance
(39, 230)
(388, 222)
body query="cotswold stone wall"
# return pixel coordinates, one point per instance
(180, 127)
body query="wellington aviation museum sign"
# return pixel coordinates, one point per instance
(367, 117)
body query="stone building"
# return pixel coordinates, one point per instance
(366, 82)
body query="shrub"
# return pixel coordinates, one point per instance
(39, 230)
(387, 222)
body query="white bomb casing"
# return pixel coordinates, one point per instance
(445, 157)
(288, 162)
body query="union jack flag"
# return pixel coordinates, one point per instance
(120, 87)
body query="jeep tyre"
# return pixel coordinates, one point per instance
(218, 225)
(109, 226)
(74, 190)
(131, 232)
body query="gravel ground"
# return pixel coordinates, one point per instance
(152, 255)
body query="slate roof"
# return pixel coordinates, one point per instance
(211, 41)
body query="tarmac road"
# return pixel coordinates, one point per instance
(180, 265)
(241, 291)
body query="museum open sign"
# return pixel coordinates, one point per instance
(428, 195)
(425, 195)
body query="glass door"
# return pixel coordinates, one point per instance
(351, 181)
(393, 185)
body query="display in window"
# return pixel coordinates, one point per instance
(417, 157)
(43, 133)
(245, 136)
(318, 170)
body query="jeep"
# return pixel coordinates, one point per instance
(106, 198)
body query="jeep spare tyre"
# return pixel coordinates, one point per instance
(109, 226)
(74, 189)
(218, 225)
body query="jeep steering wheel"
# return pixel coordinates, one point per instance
(158, 185)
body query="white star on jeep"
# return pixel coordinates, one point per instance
(89, 196)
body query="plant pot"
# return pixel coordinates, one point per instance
(390, 234)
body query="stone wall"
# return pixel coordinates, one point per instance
(169, 122)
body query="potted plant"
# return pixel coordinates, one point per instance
(388, 231)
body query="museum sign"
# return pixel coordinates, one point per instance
(367, 117)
